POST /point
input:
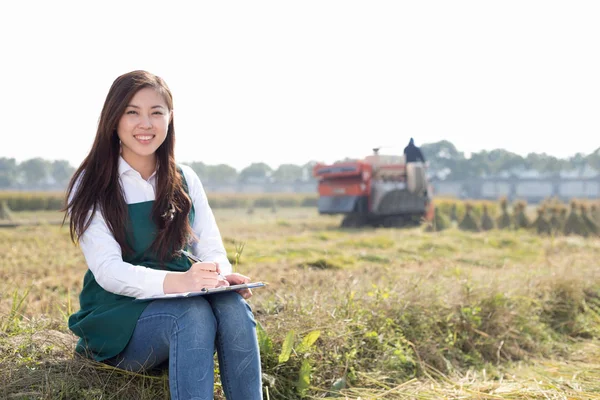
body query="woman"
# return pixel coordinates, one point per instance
(132, 209)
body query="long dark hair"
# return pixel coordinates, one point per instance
(96, 181)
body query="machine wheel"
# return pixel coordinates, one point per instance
(401, 221)
(354, 221)
(413, 220)
(394, 221)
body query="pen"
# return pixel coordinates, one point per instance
(190, 256)
(195, 259)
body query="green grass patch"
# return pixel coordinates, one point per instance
(371, 313)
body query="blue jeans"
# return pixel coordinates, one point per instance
(184, 332)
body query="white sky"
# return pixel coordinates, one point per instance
(288, 82)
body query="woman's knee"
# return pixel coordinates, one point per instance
(231, 308)
(188, 311)
(200, 313)
(227, 302)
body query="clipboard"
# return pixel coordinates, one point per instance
(222, 289)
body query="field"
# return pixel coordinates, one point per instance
(348, 314)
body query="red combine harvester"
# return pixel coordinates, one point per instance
(381, 190)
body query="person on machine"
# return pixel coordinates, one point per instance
(413, 153)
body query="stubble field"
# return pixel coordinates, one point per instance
(364, 313)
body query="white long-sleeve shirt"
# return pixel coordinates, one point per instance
(103, 253)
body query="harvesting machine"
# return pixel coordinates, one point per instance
(381, 190)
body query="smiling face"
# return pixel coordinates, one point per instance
(143, 126)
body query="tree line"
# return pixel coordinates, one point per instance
(41, 174)
(443, 157)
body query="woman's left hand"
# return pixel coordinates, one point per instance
(236, 279)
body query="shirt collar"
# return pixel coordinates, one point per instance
(125, 167)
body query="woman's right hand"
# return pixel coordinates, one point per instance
(200, 276)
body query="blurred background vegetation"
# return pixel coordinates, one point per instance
(445, 162)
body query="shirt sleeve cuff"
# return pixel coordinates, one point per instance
(154, 283)
(225, 267)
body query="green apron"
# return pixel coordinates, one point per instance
(105, 321)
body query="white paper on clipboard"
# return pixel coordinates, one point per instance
(203, 292)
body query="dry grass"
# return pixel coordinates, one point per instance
(401, 313)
